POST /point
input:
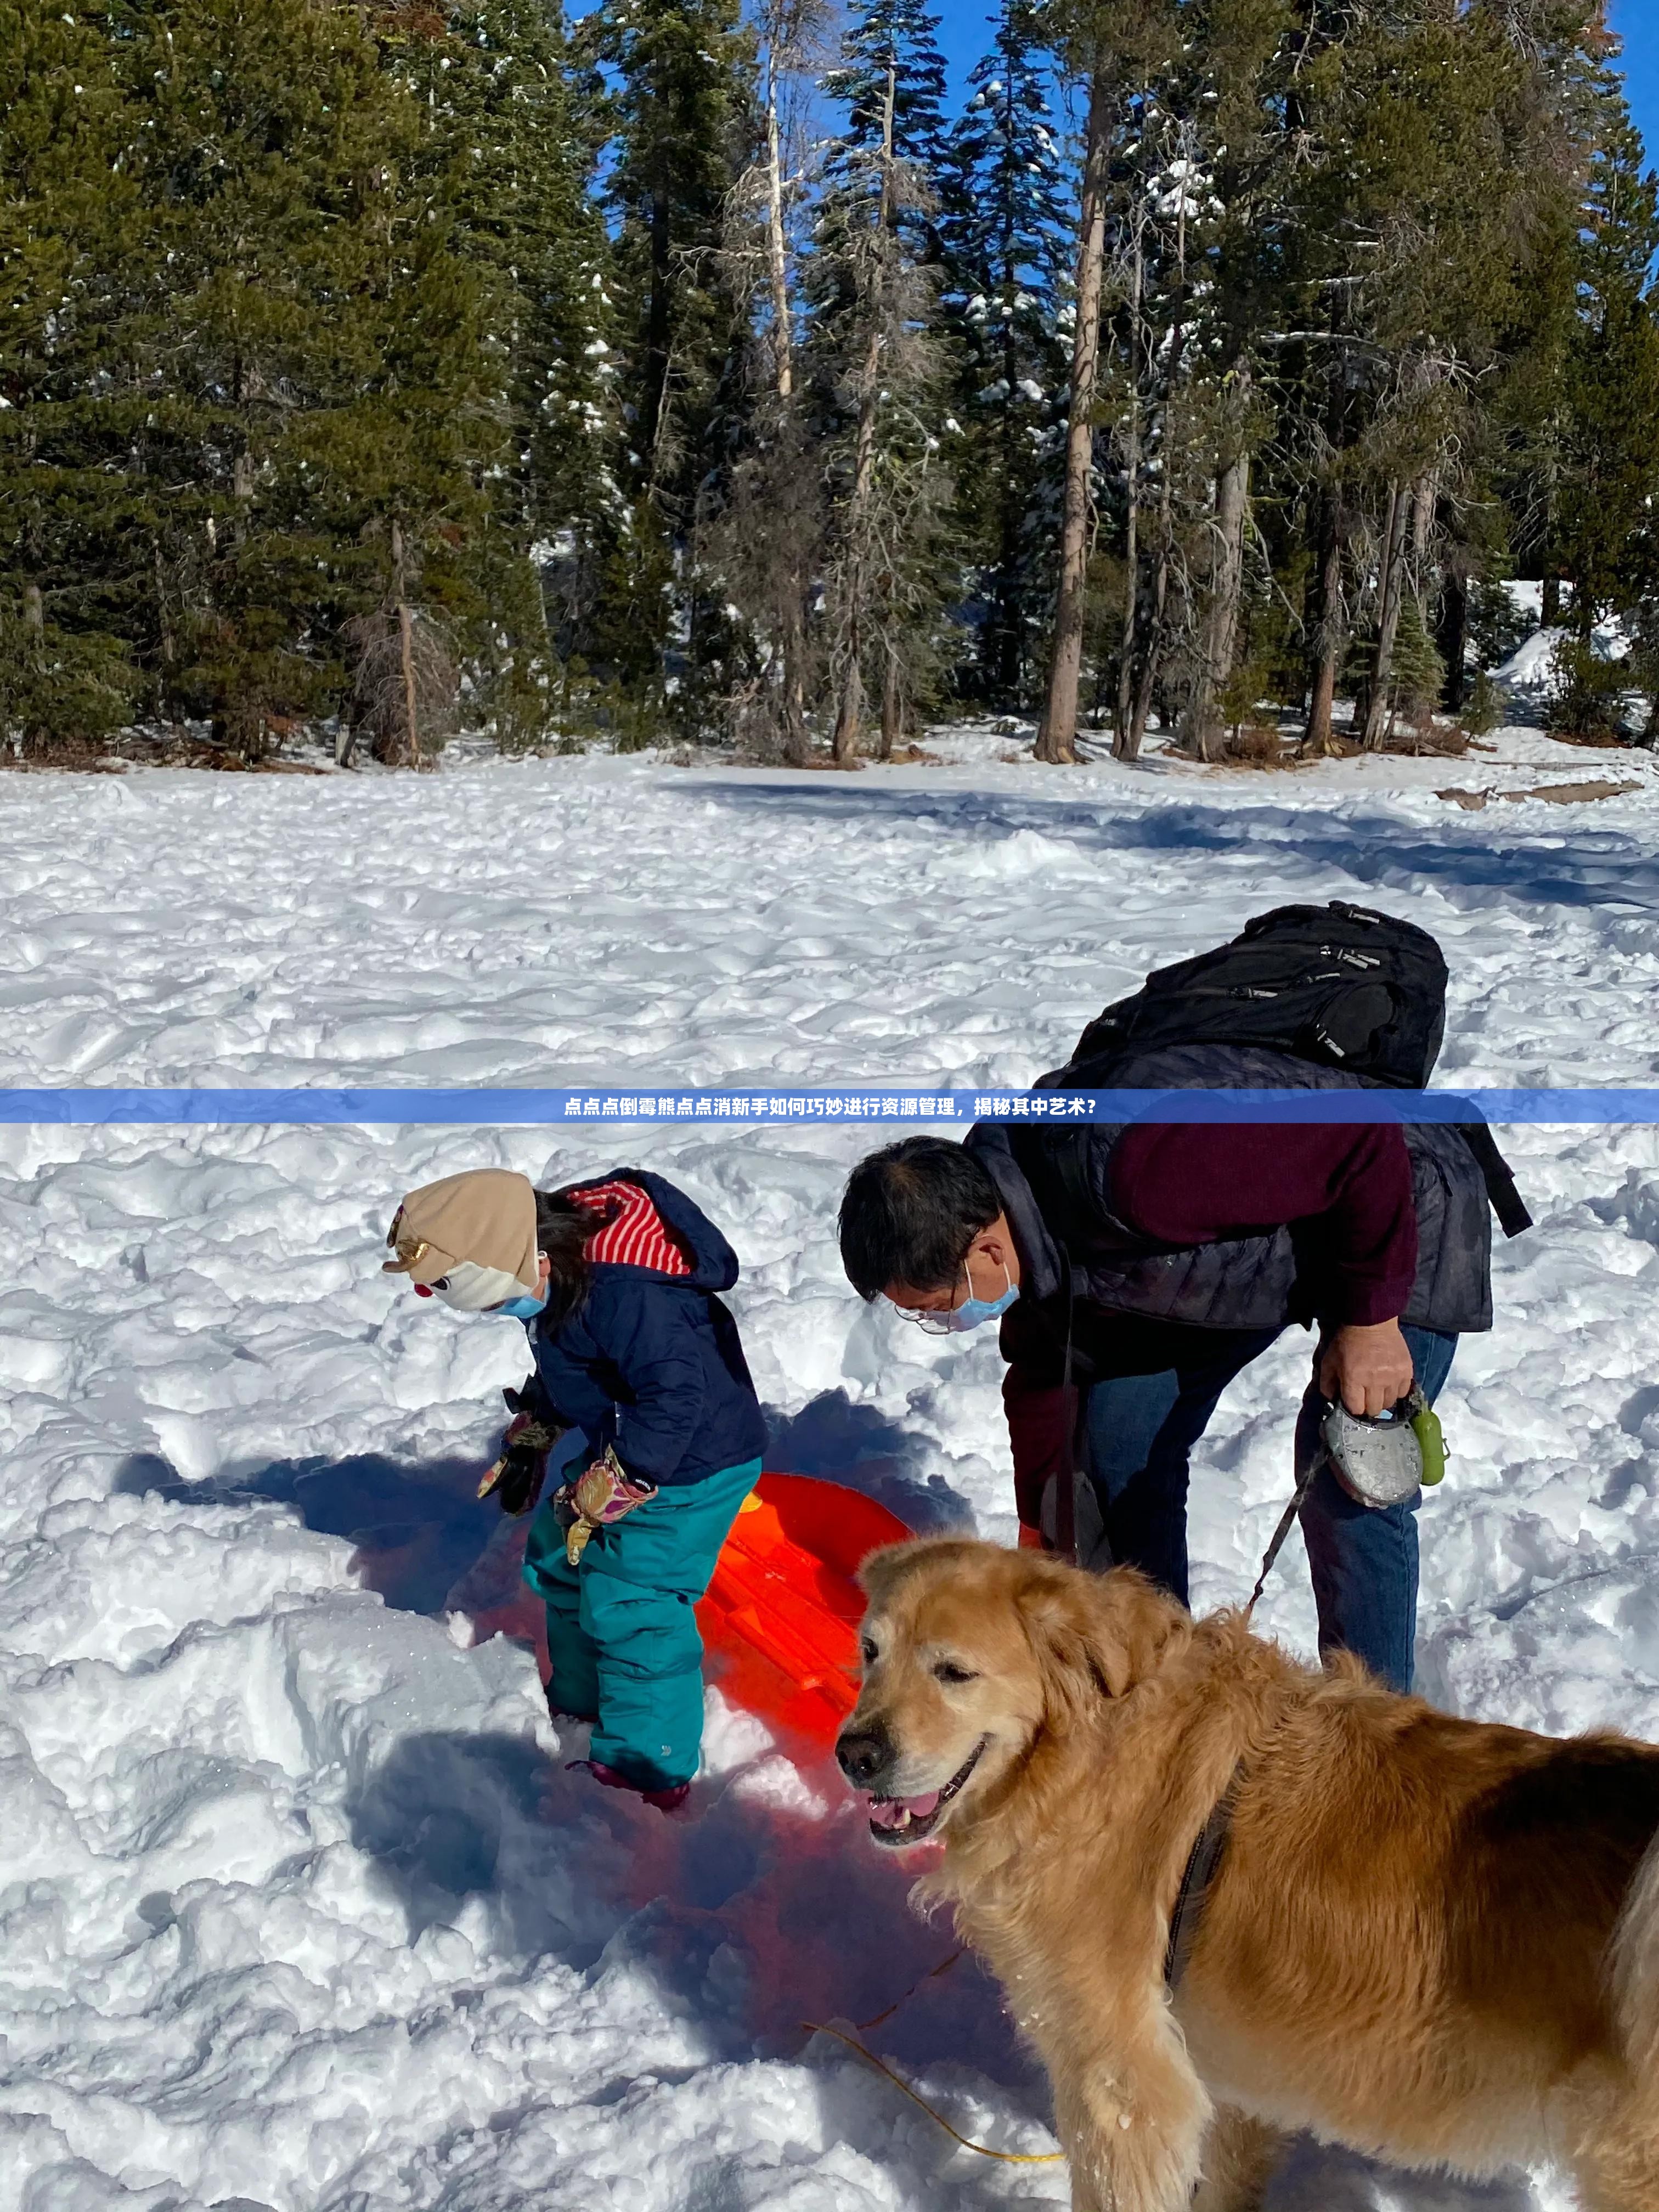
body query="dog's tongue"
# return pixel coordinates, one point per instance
(890, 1812)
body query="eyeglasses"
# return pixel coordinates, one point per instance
(934, 1322)
(930, 1324)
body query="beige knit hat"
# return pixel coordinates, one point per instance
(470, 1239)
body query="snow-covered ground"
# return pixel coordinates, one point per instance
(1531, 667)
(298, 1906)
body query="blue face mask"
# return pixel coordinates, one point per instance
(973, 1312)
(524, 1309)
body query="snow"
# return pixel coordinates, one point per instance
(301, 1911)
(1531, 666)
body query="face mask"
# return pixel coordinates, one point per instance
(973, 1312)
(469, 1288)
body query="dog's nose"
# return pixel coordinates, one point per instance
(863, 1752)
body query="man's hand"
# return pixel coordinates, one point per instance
(1367, 1366)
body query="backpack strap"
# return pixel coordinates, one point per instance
(1068, 1158)
(1507, 1202)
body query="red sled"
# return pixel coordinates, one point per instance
(780, 1617)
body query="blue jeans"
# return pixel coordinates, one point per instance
(1140, 1432)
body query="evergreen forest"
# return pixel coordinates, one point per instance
(690, 372)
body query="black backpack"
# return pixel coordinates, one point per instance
(1336, 985)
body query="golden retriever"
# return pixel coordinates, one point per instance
(1434, 1940)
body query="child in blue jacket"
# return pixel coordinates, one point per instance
(617, 1281)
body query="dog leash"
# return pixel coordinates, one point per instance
(932, 1975)
(1071, 1403)
(980, 2150)
(1305, 1484)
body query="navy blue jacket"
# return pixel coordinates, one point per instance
(652, 1364)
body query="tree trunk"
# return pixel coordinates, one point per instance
(242, 486)
(1319, 737)
(405, 647)
(164, 633)
(1452, 636)
(892, 716)
(1056, 739)
(1426, 500)
(844, 744)
(34, 617)
(782, 337)
(1550, 612)
(1391, 593)
(796, 748)
(657, 335)
(1128, 748)
(1426, 505)
(1151, 659)
(1232, 503)
(1132, 527)
(163, 616)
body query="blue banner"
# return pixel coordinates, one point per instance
(404, 1106)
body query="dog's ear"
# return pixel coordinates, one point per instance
(881, 1570)
(1095, 1635)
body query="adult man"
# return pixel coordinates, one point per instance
(1168, 1257)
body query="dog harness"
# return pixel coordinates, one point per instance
(1196, 1882)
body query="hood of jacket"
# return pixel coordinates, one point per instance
(713, 1263)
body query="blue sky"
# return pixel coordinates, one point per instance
(1636, 22)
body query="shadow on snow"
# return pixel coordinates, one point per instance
(1534, 865)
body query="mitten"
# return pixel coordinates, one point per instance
(516, 1478)
(599, 1498)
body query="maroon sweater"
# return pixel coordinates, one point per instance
(1189, 1183)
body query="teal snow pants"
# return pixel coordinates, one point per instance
(621, 1632)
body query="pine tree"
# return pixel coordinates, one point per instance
(890, 40)
(765, 542)
(321, 351)
(1409, 235)
(1610, 452)
(1119, 48)
(505, 149)
(879, 373)
(682, 126)
(1004, 225)
(75, 566)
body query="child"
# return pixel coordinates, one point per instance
(616, 1281)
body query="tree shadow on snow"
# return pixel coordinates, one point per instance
(1596, 867)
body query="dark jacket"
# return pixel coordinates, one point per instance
(652, 1364)
(1239, 1227)
(1176, 1231)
